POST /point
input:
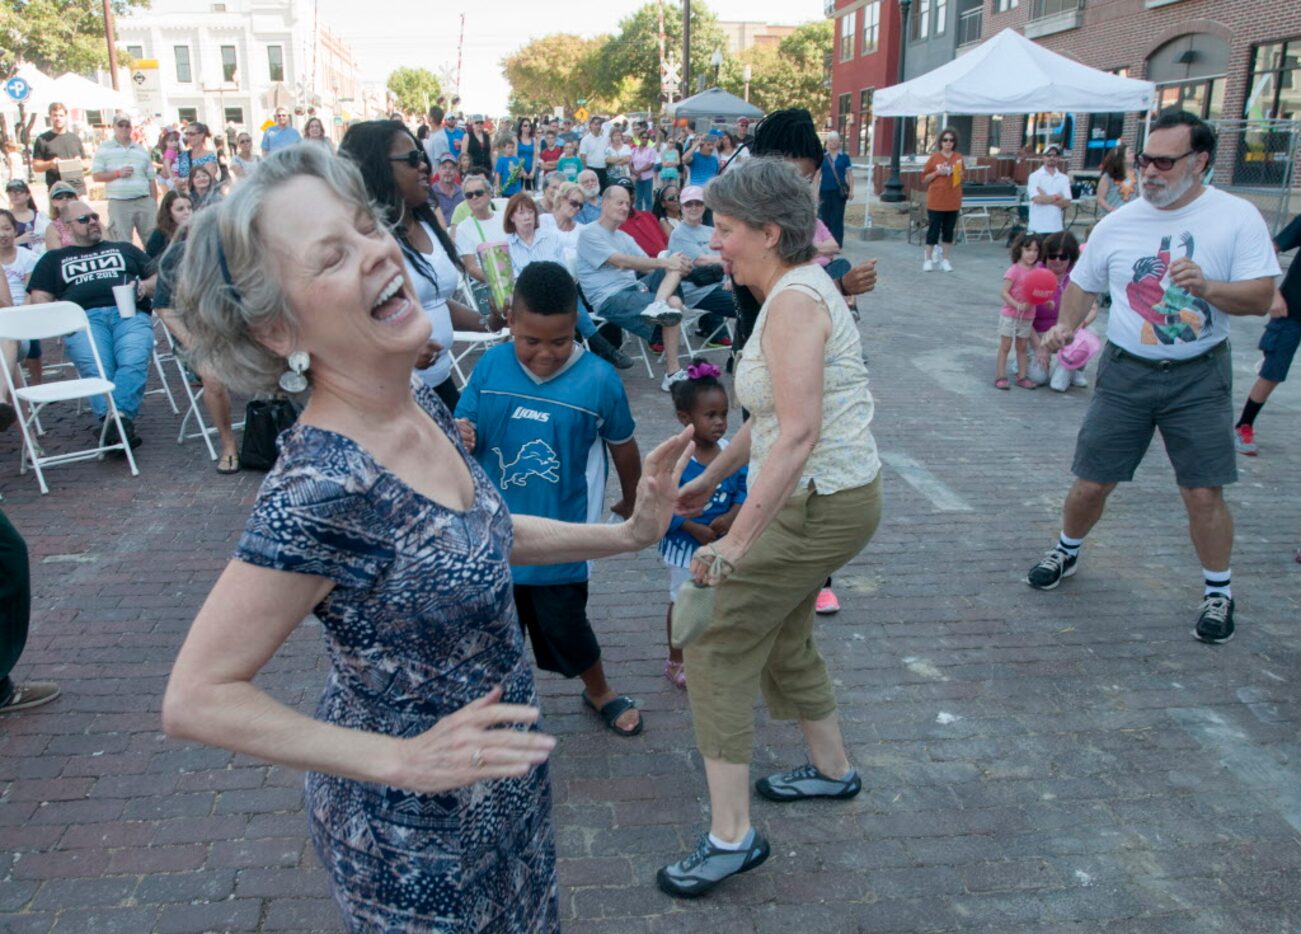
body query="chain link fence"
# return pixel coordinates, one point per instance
(1257, 160)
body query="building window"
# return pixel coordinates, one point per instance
(235, 115)
(921, 26)
(187, 114)
(183, 64)
(941, 16)
(1275, 82)
(847, 35)
(1043, 9)
(229, 64)
(136, 52)
(871, 27)
(921, 135)
(276, 62)
(1105, 132)
(1049, 129)
(1202, 97)
(995, 134)
(844, 113)
(1002, 6)
(864, 119)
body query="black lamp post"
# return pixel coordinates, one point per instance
(893, 190)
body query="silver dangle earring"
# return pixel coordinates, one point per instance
(293, 380)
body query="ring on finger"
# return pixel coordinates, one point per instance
(476, 759)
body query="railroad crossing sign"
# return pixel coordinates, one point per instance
(18, 89)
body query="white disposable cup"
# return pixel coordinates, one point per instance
(125, 296)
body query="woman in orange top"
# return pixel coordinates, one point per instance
(943, 180)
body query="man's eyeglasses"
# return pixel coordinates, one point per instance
(477, 193)
(86, 218)
(1163, 163)
(413, 158)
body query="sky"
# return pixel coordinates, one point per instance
(416, 33)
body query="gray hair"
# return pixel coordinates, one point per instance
(223, 315)
(769, 190)
(553, 178)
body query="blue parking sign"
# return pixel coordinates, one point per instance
(18, 89)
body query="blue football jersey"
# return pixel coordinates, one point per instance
(543, 441)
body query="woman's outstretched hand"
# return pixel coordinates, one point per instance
(474, 744)
(658, 488)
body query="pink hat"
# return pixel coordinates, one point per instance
(1079, 351)
(692, 193)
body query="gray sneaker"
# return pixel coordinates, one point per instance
(662, 313)
(807, 782)
(707, 865)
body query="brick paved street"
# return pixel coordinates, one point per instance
(1065, 761)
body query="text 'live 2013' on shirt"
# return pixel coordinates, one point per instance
(1131, 251)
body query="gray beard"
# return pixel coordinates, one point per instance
(1169, 194)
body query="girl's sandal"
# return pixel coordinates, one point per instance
(1026, 383)
(676, 672)
(1002, 383)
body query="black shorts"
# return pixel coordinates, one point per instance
(1278, 344)
(555, 617)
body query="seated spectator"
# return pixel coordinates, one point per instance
(58, 233)
(692, 239)
(550, 183)
(481, 226)
(644, 227)
(446, 192)
(668, 208)
(609, 263)
(173, 212)
(590, 182)
(77, 273)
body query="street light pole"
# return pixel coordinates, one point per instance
(893, 190)
(717, 61)
(745, 76)
(112, 43)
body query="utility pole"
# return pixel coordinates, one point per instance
(460, 44)
(686, 45)
(112, 43)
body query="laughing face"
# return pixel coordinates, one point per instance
(346, 283)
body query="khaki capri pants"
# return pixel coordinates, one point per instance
(762, 633)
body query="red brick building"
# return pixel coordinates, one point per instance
(1224, 59)
(864, 57)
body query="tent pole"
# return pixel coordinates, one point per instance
(871, 173)
(1147, 129)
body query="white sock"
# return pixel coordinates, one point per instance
(1218, 582)
(1069, 545)
(724, 845)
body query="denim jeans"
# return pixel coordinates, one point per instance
(717, 305)
(645, 189)
(625, 308)
(124, 347)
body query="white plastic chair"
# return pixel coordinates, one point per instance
(983, 230)
(53, 319)
(195, 410)
(159, 360)
(473, 341)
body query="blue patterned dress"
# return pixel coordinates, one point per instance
(421, 622)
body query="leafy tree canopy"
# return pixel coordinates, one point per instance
(415, 88)
(57, 36)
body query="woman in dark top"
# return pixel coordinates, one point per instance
(479, 145)
(174, 211)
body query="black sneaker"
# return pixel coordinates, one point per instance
(807, 782)
(1050, 571)
(1215, 621)
(129, 431)
(707, 865)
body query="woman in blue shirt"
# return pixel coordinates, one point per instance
(837, 187)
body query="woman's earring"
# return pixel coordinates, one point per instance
(293, 380)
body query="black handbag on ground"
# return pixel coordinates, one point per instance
(264, 419)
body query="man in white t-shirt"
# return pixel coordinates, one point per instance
(591, 148)
(1177, 263)
(1049, 191)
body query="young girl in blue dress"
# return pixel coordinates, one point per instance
(701, 402)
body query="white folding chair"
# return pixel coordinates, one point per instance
(159, 360)
(979, 218)
(195, 410)
(51, 319)
(473, 341)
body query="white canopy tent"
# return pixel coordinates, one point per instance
(1011, 74)
(76, 91)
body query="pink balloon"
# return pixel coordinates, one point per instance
(1039, 286)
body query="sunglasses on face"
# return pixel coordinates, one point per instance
(948, 139)
(86, 218)
(477, 193)
(64, 194)
(126, 125)
(576, 205)
(1058, 256)
(1163, 163)
(413, 158)
(693, 204)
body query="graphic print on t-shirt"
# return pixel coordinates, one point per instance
(1170, 314)
(85, 268)
(534, 459)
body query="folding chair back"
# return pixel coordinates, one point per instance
(48, 319)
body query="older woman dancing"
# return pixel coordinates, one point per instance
(428, 797)
(814, 502)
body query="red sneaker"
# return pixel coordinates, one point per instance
(1245, 441)
(827, 603)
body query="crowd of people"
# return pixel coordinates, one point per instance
(431, 527)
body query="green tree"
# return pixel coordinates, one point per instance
(552, 71)
(790, 74)
(57, 36)
(634, 52)
(415, 88)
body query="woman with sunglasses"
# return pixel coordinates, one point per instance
(31, 223)
(245, 159)
(392, 163)
(667, 208)
(196, 137)
(58, 233)
(942, 178)
(526, 147)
